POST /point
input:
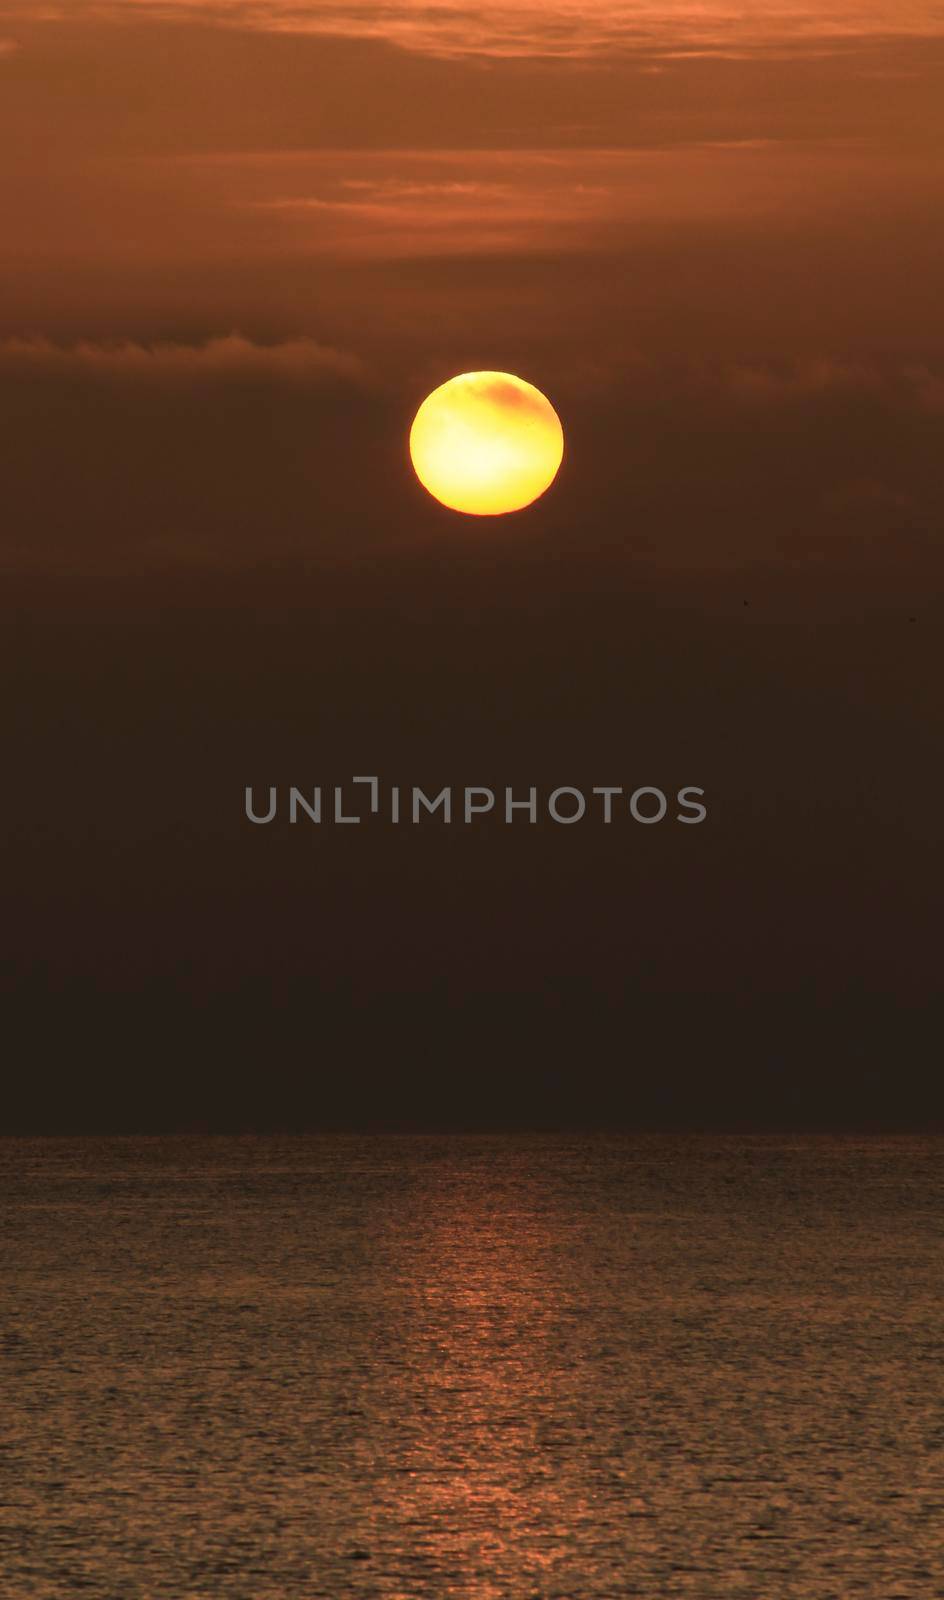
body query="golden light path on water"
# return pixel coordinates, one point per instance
(470, 1367)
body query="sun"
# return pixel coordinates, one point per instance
(486, 443)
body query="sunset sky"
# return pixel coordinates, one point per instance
(240, 243)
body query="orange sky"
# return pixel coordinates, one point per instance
(613, 199)
(239, 244)
(565, 27)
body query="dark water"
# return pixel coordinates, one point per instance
(483, 1367)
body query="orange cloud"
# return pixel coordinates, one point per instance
(553, 28)
(466, 202)
(295, 361)
(906, 386)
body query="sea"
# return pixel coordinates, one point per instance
(489, 1367)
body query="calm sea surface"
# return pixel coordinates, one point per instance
(483, 1367)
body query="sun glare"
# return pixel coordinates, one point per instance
(486, 443)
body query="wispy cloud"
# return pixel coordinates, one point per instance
(465, 202)
(578, 28)
(901, 387)
(504, 202)
(300, 361)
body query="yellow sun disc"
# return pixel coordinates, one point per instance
(486, 443)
